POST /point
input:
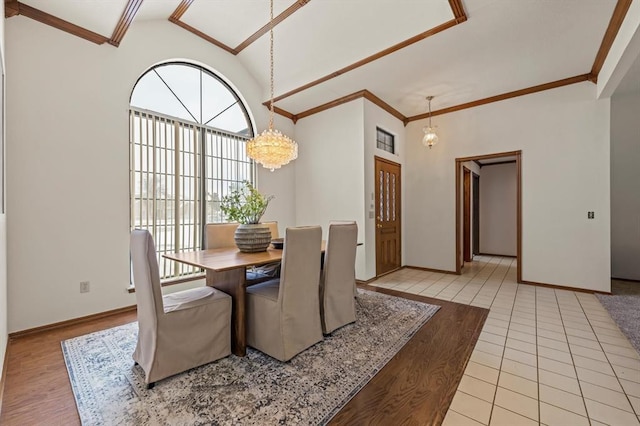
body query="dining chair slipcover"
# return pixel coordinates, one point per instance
(338, 277)
(218, 235)
(177, 331)
(283, 315)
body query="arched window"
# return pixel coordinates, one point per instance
(187, 130)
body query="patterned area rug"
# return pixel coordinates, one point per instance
(254, 390)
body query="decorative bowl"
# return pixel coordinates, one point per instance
(277, 243)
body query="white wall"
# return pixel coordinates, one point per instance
(67, 138)
(564, 138)
(498, 209)
(374, 116)
(330, 171)
(625, 176)
(335, 177)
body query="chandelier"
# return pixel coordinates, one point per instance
(271, 148)
(430, 138)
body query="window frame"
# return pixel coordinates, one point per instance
(385, 144)
(206, 140)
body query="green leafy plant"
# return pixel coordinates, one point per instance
(245, 204)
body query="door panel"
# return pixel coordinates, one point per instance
(388, 213)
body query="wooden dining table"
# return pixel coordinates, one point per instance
(226, 271)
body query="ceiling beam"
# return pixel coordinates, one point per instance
(458, 10)
(502, 97)
(11, 8)
(203, 35)
(617, 18)
(45, 18)
(371, 58)
(130, 11)
(175, 19)
(180, 10)
(278, 19)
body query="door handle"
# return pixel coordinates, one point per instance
(378, 225)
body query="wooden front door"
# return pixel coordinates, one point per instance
(388, 212)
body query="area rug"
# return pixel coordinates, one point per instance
(253, 390)
(625, 311)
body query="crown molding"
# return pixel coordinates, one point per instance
(382, 104)
(504, 96)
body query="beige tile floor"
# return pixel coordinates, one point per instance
(545, 356)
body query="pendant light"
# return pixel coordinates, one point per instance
(430, 137)
(271, 148)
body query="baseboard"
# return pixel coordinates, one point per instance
(3, 378)
(386, 273)
(498, 255)
(441, 271)
(74, 321)
(365, 282)
(626, 279)
(563, 287)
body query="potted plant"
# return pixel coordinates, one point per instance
(246, 205)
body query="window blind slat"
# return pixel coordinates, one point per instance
(174, 165)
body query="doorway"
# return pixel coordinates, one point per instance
(464, 213)
(388, 214)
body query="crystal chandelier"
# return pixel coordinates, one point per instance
(271, 148)
(430, 138)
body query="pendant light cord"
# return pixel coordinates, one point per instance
(271, 113)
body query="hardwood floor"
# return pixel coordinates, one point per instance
(415, 387)
(37, 389)
(418, 384)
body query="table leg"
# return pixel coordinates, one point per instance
(233, 283)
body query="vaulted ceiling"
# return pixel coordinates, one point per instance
(393, 52)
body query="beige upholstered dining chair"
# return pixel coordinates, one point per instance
(283, 315)
(177, 331)
(219, 235)
(338, 277)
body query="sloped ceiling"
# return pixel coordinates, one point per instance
(394, 52)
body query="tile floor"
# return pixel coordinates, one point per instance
(545, 356)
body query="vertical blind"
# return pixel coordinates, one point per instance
(179, 172)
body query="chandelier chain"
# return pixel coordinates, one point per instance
(271, 113)
(271, 148)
